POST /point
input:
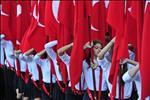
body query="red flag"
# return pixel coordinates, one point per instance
(8, 14)
(98, 21)
(25, 45)
(81, 36)
(65, 33)
(23, 19)
(131, 28)
(145, 65)
(116, 18)
(137, 13)
(51, 24)
(37, 33)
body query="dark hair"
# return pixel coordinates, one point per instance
(97, 42)
(107, 34)
(89, 53)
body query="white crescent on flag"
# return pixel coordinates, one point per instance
(55, 6)
(93, 28)
(19, 10)
(106, 3)
(40, 24)
(3, 13)
(146, 5)
(34, 13)
(94, 2)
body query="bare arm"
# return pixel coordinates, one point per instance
(105, 49)
(41, 53)
(132, 72)
(27, 53)
(62, 50)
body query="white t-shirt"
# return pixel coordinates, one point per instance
(46, 69)
(66, 59)
(105, 64)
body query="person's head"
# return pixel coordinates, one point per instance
(97, 47)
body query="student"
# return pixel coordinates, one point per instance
(96, 83)
(80, 86)
(58, 90)
(133, 74)
(33, 90)
(18, 74)
(9, 70)
(1, 69)
(104, 60)
(48, 77)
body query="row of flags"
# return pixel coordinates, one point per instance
(31, 24)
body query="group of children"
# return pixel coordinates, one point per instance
(37, 76)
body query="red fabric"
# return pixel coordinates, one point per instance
(25, 45)
(23, 19)
(116, 18)
(51, 25)
(81, 36)
(8, 18)
(131, 28)
(137, 13)
(66, 25)
(98, 21)
(18, 67)
(37, 32)
(145, 65)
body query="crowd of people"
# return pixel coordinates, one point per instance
(21, 73)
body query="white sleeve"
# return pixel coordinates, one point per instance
(37, 60)
(51, 53)
(126, 77)
(85, 66)
(51, 44)
(27, 58)
(48, 47)
(65, 58)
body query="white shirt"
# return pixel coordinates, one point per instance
(137, 79)
(8, 49)
(22, 62)
(52, 54)
(32, 67)
(66, 59)
(89, 77)
(46, 69)
(105, 64)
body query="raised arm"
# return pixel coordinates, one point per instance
(132, 72)
(105, 49)
(41, 53)
(27, 53)
(62, 50)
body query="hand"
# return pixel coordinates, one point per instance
(88, 45)
(123, 61)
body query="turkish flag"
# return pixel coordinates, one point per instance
(137, 13)
(37, 33)
(8, 20)
(98, 21)
(51, 24)
(65, 33)
(23, 19)
(81, 36)
(145, 65)
(117, 19)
